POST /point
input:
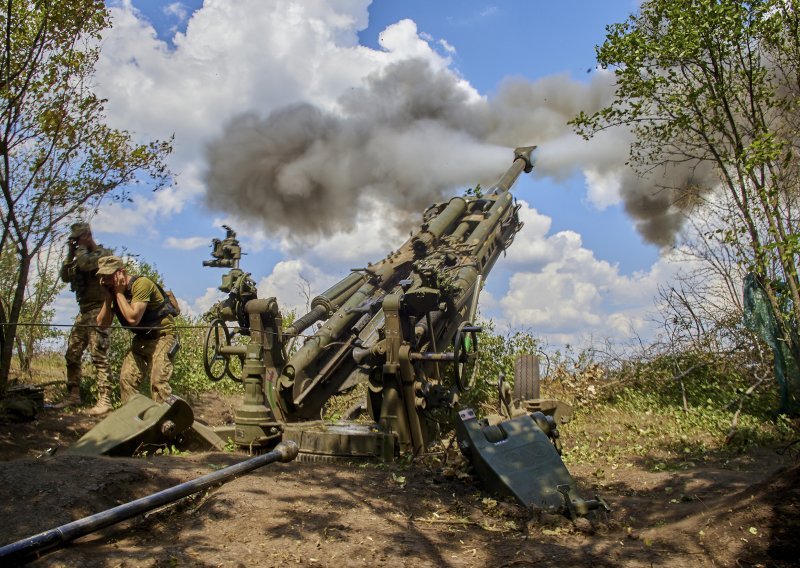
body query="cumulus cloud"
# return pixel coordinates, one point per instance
(187, 243)
(294, 283)
(201, 304)
(178, 10)
(560, 285)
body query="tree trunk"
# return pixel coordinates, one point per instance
(13, 319)
(2, 331)
(23, 356)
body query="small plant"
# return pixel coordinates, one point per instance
(170, 450)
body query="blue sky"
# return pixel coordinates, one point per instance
(580, 271)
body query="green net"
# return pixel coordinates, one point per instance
(760, 318)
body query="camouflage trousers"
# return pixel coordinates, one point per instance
(147, 357)
(85, 333)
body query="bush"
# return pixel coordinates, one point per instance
(675, 409)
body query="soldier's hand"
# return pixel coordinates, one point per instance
(119, 283)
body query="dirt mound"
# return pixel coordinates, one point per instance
(717, 513)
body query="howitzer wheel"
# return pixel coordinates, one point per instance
(526, 377)
(465, 355)
(214, 362)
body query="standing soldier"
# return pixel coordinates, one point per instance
(144, 308)
(80, 272)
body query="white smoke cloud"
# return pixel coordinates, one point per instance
(411, 134)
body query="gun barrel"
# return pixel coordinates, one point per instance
(27, 548)
(325, 303)
(523, 162)
(439, 225)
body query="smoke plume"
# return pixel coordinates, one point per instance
(410, 136)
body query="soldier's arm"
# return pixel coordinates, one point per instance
(67, 270)
(106, 313)
(131, 311)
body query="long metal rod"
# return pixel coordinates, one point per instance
(30, 548)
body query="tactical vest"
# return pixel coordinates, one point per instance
(149, 326)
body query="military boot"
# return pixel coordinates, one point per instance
(72, 399)
(103, 405)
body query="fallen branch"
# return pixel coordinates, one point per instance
(735, 419)
(746, 393)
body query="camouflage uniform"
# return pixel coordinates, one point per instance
(80, 274)
(147, 356)
(150, 345)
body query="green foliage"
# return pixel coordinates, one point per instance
(160, 450)
(645, 412)
(672, 409)
(476, 191)
(35, 314)
(189, 377)
(496, 354)
(714, 84)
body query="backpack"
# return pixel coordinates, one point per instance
(172, 301)
(170, 306)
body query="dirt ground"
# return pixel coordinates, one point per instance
(740, 512)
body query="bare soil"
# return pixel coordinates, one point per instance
(722, 512)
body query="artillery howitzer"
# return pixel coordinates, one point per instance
(392, 325)
(395, 325)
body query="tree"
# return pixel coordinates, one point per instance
(58, 158)
(36, 313)
(716, 82)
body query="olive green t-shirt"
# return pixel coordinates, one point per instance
(145, 290)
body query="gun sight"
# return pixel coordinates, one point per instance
(225, 253)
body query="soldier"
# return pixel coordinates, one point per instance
(142, 307)
(78, 271)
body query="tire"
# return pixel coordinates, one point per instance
(526, 377)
